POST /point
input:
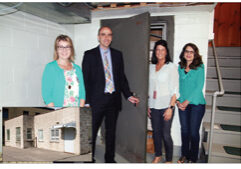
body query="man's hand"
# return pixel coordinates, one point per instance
(133, 100)
(149, 112)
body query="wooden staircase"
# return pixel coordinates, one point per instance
(226, 146)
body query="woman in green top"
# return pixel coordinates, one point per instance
(62, 81)
(191, 103)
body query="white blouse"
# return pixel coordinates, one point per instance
(163, 84)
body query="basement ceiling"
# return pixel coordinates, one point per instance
(98, 6)
(78, 13)
(105, 10)
(62, 13)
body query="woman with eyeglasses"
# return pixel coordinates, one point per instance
(191, 103)
(62, 81)
(163, 91)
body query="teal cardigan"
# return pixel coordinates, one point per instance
(53, 84)
(191, 85)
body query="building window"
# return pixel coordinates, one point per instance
(8, 134)
(40, 135)
(18, 134)
(29, 133)
(54, 134)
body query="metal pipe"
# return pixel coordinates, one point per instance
(215, 94)
(221, 92)
(10, 8)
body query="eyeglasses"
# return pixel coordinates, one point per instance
(106, 34)
(187, 51)
(64, 47)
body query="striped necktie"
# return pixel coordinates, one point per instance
(109, 87)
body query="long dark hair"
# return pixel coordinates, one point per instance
(154, 58)
(197, 61)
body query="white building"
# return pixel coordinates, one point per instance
(64, 130)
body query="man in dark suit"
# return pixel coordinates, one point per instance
(105, 80)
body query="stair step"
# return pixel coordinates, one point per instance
(234, 93)
(224, 115)
(220, 128)
(229, 85)
(231, 128)
(225, 61)
(225, 51)
(232, 150)
(226, 72)
(219, 155)
(221, 136)
(234, 109)
(227, 100)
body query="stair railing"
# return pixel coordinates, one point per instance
(214, 100)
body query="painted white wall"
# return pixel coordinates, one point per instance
(85, 38)
(26, 46)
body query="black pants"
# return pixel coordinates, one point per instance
(162, 131)
(105, 111)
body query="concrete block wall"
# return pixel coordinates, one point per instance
(47, 121)
(1, 139)
(11, 125)
(28, 123)
(85, 38)
(85, 130)
(26, 46)
(17, 111)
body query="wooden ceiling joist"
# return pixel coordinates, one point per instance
(122, 5)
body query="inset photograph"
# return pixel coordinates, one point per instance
(32, 134)
(1, 135)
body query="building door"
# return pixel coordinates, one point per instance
(69, 137)
(131, 36)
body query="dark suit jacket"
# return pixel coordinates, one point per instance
(94, 77)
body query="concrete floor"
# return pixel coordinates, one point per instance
(100, 150)
(12, 154)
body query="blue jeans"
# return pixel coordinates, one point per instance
(162, 131)
(190, 120)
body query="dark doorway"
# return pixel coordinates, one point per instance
(166, 25)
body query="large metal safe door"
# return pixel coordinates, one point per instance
(131, 36)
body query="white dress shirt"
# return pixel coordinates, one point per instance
(165, 82)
